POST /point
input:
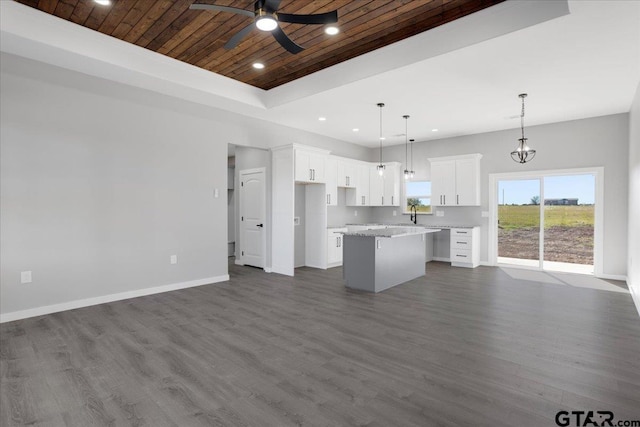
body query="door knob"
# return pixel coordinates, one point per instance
(260, 225)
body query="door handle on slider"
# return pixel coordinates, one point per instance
(260, 225)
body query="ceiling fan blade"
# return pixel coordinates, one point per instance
(215, 7)
(319, 18)
(286, 42)
(237, 37)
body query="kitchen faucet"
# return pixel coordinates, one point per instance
(414, 214)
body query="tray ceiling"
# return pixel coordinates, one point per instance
(197, 37)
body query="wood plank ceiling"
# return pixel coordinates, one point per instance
(197, 37)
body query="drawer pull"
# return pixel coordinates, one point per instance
(461, 256)
(462, 243)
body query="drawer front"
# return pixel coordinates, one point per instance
(461, 232)
(458, 242)
(461, 255)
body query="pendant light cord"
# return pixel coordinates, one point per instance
(380, 105)
(522, 118)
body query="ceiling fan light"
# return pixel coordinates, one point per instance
(332, 31)
(266, 23)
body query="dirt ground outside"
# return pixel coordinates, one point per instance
(561, 243)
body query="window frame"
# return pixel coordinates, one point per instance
(422, 196)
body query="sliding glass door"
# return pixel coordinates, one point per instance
(519, 222)
(547, 222)
(569, 217)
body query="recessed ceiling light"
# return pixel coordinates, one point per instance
(103, 2)
(434, 130)
(355, 129)
(322, 119)
(332, 31)
(258, 65)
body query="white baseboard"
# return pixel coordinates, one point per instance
(612, 277)
(238, 262)
(48, 309)
(486, 264)
(435, 258)
(267, 270)
(634, 296)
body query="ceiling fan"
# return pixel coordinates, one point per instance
(266, 18)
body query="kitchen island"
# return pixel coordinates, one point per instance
(375, 260)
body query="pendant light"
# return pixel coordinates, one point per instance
(523, 153)
(380, 167)
(407, 172)
(411, 172)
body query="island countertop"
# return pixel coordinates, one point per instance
(391, 232)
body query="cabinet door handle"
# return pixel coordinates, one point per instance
(392, 200)
(328, 199)
(444, 199)
(382, 200)
(363, 200)
(457, 199)
(310, 175)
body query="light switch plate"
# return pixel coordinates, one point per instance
(355, 213)
(395, 212)
(439, 213)
(485, 214)
(173, 259)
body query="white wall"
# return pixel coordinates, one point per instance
(633, 262)
(102, 182)
(600, 141)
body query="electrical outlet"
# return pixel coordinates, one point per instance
(173, 259)
(485, 214)
(439, 213)
(216, 193)
(25, 277)
(355, 212)
(395, 212)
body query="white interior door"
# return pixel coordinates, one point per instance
(252, 217)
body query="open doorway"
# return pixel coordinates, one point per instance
(547, 220)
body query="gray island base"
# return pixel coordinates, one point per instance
(375, 260)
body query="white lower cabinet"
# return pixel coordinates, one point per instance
(465, 247)
(334, 246)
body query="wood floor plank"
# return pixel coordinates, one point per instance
(457, 347)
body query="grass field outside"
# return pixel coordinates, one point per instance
(568, 235)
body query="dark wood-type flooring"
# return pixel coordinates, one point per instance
(459, 347)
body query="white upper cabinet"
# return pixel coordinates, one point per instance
(331, 180)
(309, 165)
(347, 173)
(376, 187)
(391, 189)
(384, 190)
(455, 180)
(359, 196)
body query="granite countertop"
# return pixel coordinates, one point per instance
(415, 225)
(392, 232)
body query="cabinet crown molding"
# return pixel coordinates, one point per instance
(477, 156)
